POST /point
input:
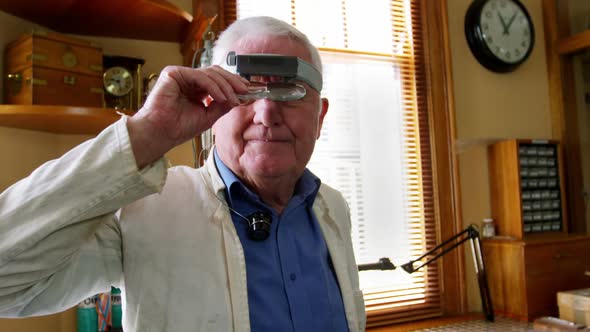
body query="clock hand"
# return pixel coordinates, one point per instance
(510, 22)
(503, 24)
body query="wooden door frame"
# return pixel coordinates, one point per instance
(563, 108)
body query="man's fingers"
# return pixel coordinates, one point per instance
(217, 82)
(238, 83)
(191, 82)
(215, 110)
(224, 85)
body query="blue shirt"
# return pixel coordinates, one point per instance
(291, 282)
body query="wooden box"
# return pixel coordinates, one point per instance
(574, 306)
(527, 187)
(45, 68)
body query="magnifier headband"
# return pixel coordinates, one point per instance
(288, 67)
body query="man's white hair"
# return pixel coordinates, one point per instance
(260, 26)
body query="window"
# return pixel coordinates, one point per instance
(375, 144)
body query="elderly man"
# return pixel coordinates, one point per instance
(250, 241)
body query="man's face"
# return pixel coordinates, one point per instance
(266, 138)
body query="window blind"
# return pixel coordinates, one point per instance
(375, 143)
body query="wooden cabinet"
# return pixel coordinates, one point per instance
(527, 187)
(535, 255)
(525, 275)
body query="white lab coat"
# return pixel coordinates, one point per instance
(91, 219)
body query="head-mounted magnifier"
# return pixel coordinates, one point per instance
(289, 68)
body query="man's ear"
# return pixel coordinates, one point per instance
(323, 111)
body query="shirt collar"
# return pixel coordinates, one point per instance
(306, 187)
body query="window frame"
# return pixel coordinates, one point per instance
(441, 110)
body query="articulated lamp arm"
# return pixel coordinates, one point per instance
(469, 234)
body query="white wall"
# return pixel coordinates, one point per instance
(490, 107)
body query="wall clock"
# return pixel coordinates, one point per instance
(500, 33)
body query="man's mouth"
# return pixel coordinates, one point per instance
(266, 136)
(266, 140)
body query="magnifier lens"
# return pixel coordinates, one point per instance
(273, 91)
(255, 91)
(286, 91)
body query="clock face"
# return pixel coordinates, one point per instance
(506, 30)
(118, 81)
(500, 33)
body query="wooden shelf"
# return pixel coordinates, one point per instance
(57, 119)
(157, 20)
(575, 43)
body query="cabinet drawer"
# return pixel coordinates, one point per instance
(564, 259)
(551, 268)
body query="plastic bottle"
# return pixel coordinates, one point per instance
(87, 319)
(117, 310)
(489, 229)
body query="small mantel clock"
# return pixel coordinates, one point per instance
(123, 83)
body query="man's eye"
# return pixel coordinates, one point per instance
(266, 79)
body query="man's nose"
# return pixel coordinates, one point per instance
(267, 112)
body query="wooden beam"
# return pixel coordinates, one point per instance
(574, 44)
(552, 38)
